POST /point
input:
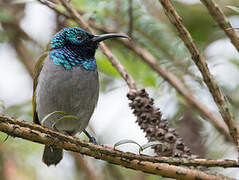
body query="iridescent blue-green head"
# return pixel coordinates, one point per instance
(74, 46)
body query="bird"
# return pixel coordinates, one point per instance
(66, 85)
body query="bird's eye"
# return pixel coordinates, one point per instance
(78, 37)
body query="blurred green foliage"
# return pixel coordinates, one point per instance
(236, 9)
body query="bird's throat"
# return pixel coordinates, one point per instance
(68, 57)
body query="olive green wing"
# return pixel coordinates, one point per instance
(37, 70)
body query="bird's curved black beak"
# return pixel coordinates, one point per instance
(98, 38)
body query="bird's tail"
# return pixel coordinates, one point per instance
(52, 155)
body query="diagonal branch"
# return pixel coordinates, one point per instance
(200, 61)
(39, 134)
(222, 21)
(82, 165)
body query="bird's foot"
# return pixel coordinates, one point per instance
(61, 131)
(54, 138)
(53, 144)
(91, 138)
(54, 128)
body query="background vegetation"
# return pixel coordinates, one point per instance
(27, 26)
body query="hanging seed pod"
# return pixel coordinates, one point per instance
(150, 121)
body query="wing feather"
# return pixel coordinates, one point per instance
(37, 71)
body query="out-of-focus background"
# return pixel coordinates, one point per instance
(26, 27)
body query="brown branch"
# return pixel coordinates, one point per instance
(39, 134)
(114, 171)
(171, 161)
(117, 12)
(24, 55)
(131, 18)
(51, 6)
(16, 34)
(222, 21)
(200, 61)
(79, 19)
(82, 164)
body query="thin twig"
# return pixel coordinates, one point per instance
(222, 21)
(116, 17)
(39, 134)
(51, 6)
(200, 61)
(131, 18)
(16, 34)
(81, 164)
(24, 55)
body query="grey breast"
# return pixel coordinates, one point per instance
(73, 91)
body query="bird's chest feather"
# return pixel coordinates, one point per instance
(74, 91)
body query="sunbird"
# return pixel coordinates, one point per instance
(66, 85)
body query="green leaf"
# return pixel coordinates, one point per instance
(236, 9)
(105, 66)
(126, 141)
(235, 62)
(150, 144)
(6, 16)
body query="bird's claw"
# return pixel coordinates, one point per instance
(92, 140)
